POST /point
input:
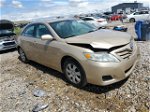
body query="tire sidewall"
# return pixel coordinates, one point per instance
(83, 81)
(26, 60)
(132, 20)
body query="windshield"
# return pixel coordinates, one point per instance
(70, 28)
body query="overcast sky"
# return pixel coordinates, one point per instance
(32, 9)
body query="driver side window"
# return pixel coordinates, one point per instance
(41, 30)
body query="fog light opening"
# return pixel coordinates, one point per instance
(107, 77)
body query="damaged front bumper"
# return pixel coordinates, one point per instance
(100, 73)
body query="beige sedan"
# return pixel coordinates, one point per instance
(82, 52)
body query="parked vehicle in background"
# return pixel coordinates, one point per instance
(115, 17)
(81, 51)
(96, 21)
(7, 36)
(107, 17)
(136, 16)
(108, 13)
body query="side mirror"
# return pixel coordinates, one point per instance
(47, 37)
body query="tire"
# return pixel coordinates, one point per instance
(23, 57)
(74, 73)
(132, 20)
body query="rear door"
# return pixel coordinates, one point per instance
(145, 15)
(27, 41)
(137, 16)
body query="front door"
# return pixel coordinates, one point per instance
(46, 49)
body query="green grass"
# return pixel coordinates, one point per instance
(17, 30)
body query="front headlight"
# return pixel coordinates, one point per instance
(101, 57)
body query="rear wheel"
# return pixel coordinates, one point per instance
(132, 20)
(74, 73)
(22, 56)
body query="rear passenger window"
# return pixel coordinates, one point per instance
(29, 31)
(41, 30)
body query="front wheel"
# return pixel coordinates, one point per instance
(74, 73)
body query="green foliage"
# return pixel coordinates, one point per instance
(17, 30)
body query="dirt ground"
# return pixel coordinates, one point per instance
(18, 81)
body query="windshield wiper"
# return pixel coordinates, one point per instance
(71, 35)
(92, 30)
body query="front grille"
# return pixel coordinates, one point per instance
(125, 54)
(9, 43)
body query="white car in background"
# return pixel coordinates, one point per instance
(96, 21)
(136, 16)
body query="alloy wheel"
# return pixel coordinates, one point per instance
(73, 73)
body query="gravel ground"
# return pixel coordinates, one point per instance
(18, 81)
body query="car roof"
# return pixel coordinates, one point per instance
(52, 20)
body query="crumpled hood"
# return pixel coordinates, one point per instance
(104, 39)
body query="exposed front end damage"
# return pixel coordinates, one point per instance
(7, 37)
(105, 73)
